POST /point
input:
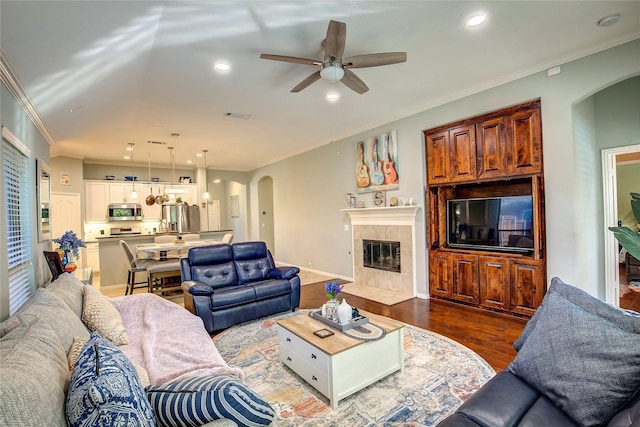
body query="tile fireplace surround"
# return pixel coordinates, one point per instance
(389, 224)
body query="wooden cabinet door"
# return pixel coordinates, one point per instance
(440, 274)
(491, 148)
(494, 282)
(527, 285)
(524, 147)
(437, 147)
(465, 277)
(462, 152)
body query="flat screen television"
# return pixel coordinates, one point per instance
(491, 223)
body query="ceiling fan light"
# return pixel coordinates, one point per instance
(332, 73)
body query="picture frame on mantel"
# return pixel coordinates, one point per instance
(377, 163)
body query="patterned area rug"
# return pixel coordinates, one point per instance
(439, 375)
(634, 285)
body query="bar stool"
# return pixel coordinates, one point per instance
(159, 271)
(135, 266)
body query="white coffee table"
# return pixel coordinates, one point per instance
(338, 366)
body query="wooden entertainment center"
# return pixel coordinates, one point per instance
(494, 155)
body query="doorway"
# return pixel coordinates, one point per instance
(266, 218)
(611, 159)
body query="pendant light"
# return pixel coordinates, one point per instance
(134, 193)
(205, 196)
(173, 191)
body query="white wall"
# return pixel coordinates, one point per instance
(309, 189)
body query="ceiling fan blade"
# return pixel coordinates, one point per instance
(336, 38)
(307, 82)
(293, 59)
(353, 82)
(374, 59)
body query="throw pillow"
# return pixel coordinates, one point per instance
(74, 351)
(585, 364)
(105, 389)
(194, 401)
(102, 317)
(76, 348)
(586, 302)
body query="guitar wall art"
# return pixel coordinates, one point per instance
(377, 163)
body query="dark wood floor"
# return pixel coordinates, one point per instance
(491, 335)
(628, 299)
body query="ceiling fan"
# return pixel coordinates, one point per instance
(333, 67)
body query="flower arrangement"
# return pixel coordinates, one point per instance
(70, 242)
(333, 289)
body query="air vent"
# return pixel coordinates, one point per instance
(157, 142)
(238, 115)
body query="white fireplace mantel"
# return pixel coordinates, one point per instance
(399, 215)
(392, 224)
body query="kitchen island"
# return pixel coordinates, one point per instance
(113, 261)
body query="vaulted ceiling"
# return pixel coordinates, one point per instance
(103, 74)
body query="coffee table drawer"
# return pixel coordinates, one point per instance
(303, 350)
(311, 374)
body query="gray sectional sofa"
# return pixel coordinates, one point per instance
(37, 376)
(578, 364)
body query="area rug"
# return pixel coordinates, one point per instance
(634, 285)
(439, 375)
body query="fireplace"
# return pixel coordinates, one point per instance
(384, 255)
(381, 255)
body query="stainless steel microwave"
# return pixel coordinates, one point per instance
(125, 212)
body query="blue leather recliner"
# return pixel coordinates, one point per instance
(226, 285)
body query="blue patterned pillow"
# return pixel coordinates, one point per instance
(105, 389)
(196, 401)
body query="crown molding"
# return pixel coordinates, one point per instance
(13, 85)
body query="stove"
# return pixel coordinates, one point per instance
(124, 231)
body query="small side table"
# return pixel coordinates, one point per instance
(84, 274)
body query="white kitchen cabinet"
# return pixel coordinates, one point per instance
(153, 212)
(93, 256)
(120, 192)
(96, 201)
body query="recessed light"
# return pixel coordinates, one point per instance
(127, 157)
(609, 20)
(333, 96)
(129, 148)
(198, 154)
(189, 162)
(216, 181)
(476, 19)
(222, 66)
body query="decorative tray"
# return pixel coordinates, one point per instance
(357, 321)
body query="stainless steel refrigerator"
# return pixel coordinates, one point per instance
(181, 217)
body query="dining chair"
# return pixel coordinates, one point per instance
(135, 266)
(169, 238)
(227, 238)
(192, 237)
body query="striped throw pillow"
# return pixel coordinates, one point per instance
(196, 401)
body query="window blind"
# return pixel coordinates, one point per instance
(15, 169)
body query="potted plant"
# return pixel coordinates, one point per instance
(629, 239)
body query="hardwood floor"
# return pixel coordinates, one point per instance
(629, 299)
(491, 335)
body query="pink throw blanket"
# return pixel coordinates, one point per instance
(168, 341)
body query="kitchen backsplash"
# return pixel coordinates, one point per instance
(92, 231)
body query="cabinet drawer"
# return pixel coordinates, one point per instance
(310, 373)
(293, 344)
